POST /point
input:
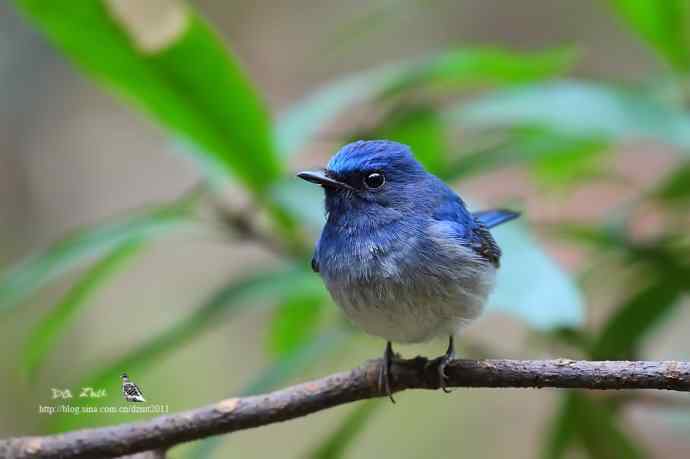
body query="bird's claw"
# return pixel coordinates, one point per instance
(443, 362)
(442, 376)
(385, 371)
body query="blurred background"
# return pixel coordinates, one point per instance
(151, 223)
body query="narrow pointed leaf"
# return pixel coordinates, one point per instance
(169, 63)
(297, 360)
(419, 127)
(279, 373)
(665, 273)
(259, 290)
(624, 332)
(592, 425)
(482, 67)
(20, 281)
(598, 237)
(599, 430)
(455, 68)
(663, 24)
(301, 122)
(335, 445)
(295, 322)
(563, 430)
(551, 156)
(43, 337)
(675, 188)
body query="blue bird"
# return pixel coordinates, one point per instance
(400, 253)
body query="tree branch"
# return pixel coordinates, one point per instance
(360, 383)
(153, 454)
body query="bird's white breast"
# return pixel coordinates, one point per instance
(412, 301)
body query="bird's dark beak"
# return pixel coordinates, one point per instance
(320, 177)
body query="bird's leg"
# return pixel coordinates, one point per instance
(443, 362)
(385, 371)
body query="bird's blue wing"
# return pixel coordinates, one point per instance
(495, 217)
(451, 208)
(467, 228)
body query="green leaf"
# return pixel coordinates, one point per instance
(605, 237)
(579, 109)
(599, 432)
(37, 270)
(664, 281)
(301, 122)
(675, 187)
(570, 162)
(562, 433)
(624, 332)
(295, 322)
(420, 127)
(663, 24)
(592, 424)
(460, 67)
(43, 337)
(554, 158)
(174, 67)
(467, 67)
(335, 445)
(299, 359)
(491, 154)
(279, 372)
(545, 296)
(574, 337)
(253, 291)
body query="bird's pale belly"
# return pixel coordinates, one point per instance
(414, 308)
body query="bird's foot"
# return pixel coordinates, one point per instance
(442, 376)
(443, 362)
(385, 371)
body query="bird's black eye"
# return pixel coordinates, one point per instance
(374, 180)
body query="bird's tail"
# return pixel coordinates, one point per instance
(495, 217)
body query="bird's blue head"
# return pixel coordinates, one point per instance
(376, 180)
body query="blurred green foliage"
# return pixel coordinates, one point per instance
(663, 24)
(335, 445)
(36, 271)
(593, 427)
(296, 321)
(46, 333)
(203, 104)
(512, 109)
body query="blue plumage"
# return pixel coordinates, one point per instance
(495, 217)
(400, 252)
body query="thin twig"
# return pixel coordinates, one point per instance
(240, 221)
(360, 383)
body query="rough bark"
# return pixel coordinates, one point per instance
(235, 414)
